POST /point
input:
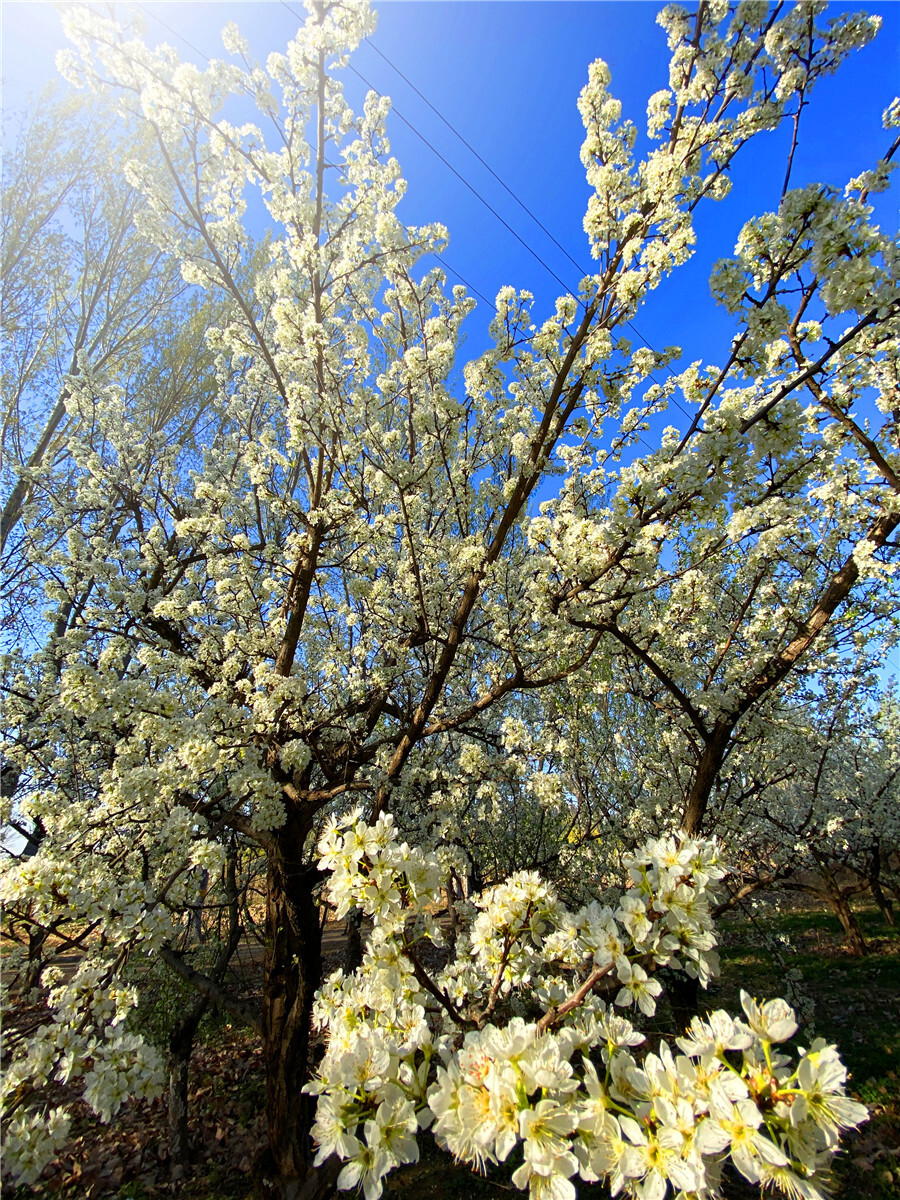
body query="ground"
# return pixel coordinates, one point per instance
(855, 1005)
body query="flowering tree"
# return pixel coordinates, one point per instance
(457, 1050)
(83, 292)
(340, 584)
(822, 804)
(80, 286)
(806, 796)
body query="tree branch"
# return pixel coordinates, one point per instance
(242, 1012)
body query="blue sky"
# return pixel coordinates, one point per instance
(507, 76)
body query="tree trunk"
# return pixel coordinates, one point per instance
(704, 779)
(853, 935)
(885, 906)
(684, 997)
(353, 951)
(292, 974)
(454, 896)
(197, 915)
(181, 1043)
(36, 940)
(179, 1138)
(856, 943)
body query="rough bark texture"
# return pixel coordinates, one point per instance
(181, 1043)
(834, 593)
(885, 906)
(853, 935)
(684, 997)
(292, 974)
(839, 899)
(704, 779)
(179, 1139)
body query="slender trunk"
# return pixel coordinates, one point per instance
(885, 906)
(181, 1043)
(197, 915)
(856, 943)
(853, 935)
(179, 1138)
(353, 952)
(454, 895)
(184, 1031)
(684, 998)
(682, 990)
(292, 974)
(37, 939)
(474, 881)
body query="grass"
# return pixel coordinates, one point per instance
(855, 1004)
(855, 999)
(857, 1007)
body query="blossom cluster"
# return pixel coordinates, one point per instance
(582, 1105)
(517, 1042)
(87, 1038)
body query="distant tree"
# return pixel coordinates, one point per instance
(84, 294)
(822, 805)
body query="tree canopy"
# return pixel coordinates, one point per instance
(305, 575)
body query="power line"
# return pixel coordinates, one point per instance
(494, 212)
(174, 32)
(578, 266)
(442, 259)
(421, 136)
(506, 225)
(469, 287)
(521, 203)
(484, 163)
